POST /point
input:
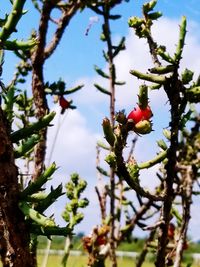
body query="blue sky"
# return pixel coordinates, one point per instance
(74, 60)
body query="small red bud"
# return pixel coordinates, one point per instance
(64, 104)
(171, 230)
(101, 240)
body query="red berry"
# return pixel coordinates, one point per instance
(171, 230)
(139, 114)
(64, 104)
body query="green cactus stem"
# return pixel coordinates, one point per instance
(35, 186)
(50, 198)
(161, 52)
(50, 230)
(32, 128)
(161, 143)
(162, 69)
(73, 90)
(102, 90)
(12, 20)
(167, 134)
(160, 157)
(108, 131)
(101, 72)
(19, 45)
(111, 159)
(149, 77)
(155, 15)
(40, 219)
(102, 171)
(133, 182)
(120, 47)
(193, 94)
(9, 100)
(181, 41)
(143, 96)
(135, 22)
(147, 7)
(102, 145)
(120, 83)
(186, 76)
(26, 146)
(155, 86)
(36, 197)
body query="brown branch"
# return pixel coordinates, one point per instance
(172, 89)
(188, 180)
(41, 106)
(124, 174)
(107, 33)
(138, 216)
(67, 13)
(152, 44)
(189, 174)
(102, 202)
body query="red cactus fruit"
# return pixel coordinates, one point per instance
(64, 104)
(138, 114)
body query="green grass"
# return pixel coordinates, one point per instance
(81, 261)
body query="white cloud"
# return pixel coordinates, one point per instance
(74, 147)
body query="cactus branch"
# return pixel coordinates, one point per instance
(149, 77)
(159, 158)
(10, 26)
(181, 41)
(32, 128)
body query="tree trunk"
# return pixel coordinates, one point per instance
(14, 236)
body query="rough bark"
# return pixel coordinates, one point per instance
(38, 86)
(14, 237)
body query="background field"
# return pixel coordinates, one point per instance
(81, 261)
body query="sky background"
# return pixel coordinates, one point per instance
(74, 149)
